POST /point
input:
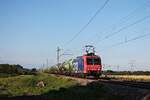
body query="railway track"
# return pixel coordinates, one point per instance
(141, 85)
(135, 84)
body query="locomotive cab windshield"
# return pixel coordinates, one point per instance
(93, 61)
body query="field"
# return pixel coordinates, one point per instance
(56, 87)
(2, 75)
(63, 88)
(27, 84)
(145, 78)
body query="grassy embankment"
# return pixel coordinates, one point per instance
(2, 75)
(57, 88)
(60, 88)
(26, 84)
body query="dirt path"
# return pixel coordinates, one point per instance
(80, 81)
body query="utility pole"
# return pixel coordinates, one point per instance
(132, 65)
(43, 65)
(47, 62)
(58, 55)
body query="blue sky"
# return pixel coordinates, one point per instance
(31, 30)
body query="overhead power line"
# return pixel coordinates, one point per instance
(126, 18)
(126, 41)
(90, 20)
(125, 27)
(86, 25)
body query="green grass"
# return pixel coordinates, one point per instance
(26, 84)
(7, 75)
(57, 88)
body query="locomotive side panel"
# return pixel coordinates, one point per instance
(78, 65)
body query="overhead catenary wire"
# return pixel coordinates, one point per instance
(113, 33)
(125, 27)
(127, 17)
(126, 41)
(86, 25)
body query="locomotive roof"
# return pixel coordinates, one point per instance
(89, 54)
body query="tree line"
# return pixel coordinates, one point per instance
(16, 69)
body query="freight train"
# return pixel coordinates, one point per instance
(88, 64)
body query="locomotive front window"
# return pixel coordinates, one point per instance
(93, 61)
